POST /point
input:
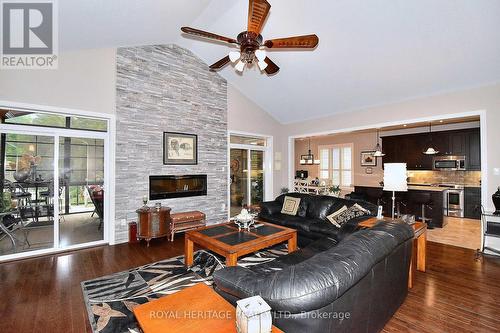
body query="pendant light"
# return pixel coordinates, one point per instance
(308, 159)
(378, 148)
(431, 150)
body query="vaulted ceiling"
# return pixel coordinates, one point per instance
(370, 52)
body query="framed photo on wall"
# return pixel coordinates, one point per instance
(180, 148)
(367, 159)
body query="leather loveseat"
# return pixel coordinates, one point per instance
(311, 222)
(352, 285)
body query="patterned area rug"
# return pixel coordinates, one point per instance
(111, 299)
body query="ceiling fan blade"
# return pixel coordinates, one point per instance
(297, 42)
(205, 34)
(271, 68)
(257, 13)
(219, 64)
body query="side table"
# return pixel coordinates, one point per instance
(418, 258)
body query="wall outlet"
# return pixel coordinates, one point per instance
(496, 171)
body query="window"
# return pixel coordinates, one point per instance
(336, 164)
(53, 120)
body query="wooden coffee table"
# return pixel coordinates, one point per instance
(418, 258)
(226, 240)
(192, 310)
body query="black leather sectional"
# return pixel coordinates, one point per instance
(311, 222)
(341, 281)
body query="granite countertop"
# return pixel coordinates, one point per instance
(426, 188)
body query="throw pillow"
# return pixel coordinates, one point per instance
(333, 216)
(290, 206)
(361, 208)
(348, 214)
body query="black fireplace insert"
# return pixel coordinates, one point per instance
(170, 186)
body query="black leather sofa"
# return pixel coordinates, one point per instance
(354, 284)
(311, 222)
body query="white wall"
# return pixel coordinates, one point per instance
(85, 80)
(246, 116)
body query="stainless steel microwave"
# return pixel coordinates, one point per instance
(451, 163)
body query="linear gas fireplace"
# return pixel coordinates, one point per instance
(167, 187)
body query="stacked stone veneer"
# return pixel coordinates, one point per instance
(165, 88)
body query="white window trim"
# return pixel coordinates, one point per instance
(330, 169)
(109, 138)
(268, 163)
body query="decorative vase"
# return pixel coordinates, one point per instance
(496, 201)
(22, 175)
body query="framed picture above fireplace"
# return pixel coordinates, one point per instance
(180, 148)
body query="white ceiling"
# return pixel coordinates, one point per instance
(370, 52)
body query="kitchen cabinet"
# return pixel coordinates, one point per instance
(473, 150)
(409, 148)
(472, 203)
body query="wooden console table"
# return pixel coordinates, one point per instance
(419, 246)
(153, 222)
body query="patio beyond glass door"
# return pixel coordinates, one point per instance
(247, 178)
(27, 210)
(81, 190)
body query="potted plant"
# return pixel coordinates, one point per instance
(334, 190)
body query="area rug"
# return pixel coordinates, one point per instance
(111, 299)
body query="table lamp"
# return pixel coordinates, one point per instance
(395, 180)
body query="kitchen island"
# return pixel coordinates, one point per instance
(376, 195)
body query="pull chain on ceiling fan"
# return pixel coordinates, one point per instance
(251, 43)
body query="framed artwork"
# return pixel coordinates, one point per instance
(180, 148)
(367, 159)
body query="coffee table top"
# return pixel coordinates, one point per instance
(195, 309)
(227, 237)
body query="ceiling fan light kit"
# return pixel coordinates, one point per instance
(251, 42)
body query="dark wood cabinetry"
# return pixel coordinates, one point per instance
(472, 203)
(409, 148)
(474, 150)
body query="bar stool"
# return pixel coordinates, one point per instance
(425, 201)
(401, 206)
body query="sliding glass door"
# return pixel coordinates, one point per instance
(47, 205)
(81, 190)
(27, 211)
(247, 172)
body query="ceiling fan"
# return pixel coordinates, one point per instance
(251, 43)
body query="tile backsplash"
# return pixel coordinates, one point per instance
(454, 177)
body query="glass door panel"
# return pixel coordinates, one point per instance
(81, 190)
(239, 180)
(257, 177)
(27, 177)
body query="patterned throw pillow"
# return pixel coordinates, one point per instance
(290, 206)
(341, 218)
(333, 217)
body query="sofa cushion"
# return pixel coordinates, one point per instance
(320, 206)
(290, 206)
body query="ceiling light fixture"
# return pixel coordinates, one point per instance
(431, 150)
(378, 147)
(240, 66)
(308, 159)
(234, 56)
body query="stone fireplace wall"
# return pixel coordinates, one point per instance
(165, 88)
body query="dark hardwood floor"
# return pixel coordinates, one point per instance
(456, 294)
